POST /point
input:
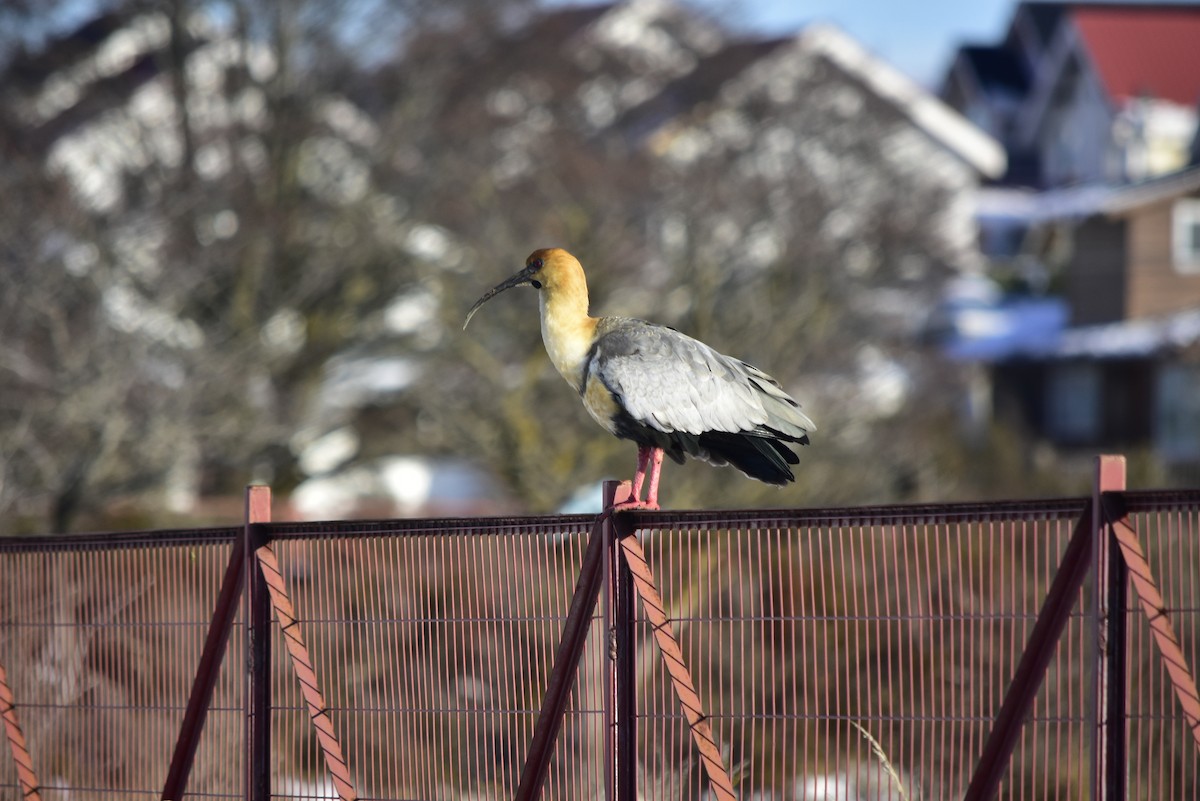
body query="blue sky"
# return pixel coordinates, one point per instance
(917, 37)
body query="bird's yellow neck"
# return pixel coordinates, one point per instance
(567, 330)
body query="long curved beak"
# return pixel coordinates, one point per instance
(520, 279)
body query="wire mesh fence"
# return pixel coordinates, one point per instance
(101, 639)
(831, 646)
(840, 654)
(1163, 759)
(434, 647)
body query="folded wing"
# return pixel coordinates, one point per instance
(678, 393)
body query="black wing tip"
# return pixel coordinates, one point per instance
(767, 432)
(763, 458)
(776, 476)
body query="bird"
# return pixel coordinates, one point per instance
(667, 392)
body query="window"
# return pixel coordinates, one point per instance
(1073, 402)
(1185, 235)
(1177, 413)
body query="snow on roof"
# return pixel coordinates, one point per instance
(1126, 338)
(1154, 190)
(985, 330)
(1088, 200)
(715, 73)
(1031, 206)
(938, 120)
(1035, 331)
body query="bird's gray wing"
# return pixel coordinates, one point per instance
(673, 383)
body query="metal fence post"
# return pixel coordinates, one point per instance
(609, 673)
(719, 781)
(626, 669)
(620, 699)
(1108, 640)
(258, 650)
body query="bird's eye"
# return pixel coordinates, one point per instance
(535, 265)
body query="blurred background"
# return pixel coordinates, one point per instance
(239, 240)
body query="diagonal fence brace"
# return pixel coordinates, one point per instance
(566, 664)
(293, 639)
(1156, 612)
(570, 650)
(681, 677)
(258, 502)
(205, 681)
(1018, 700)
(30, 788)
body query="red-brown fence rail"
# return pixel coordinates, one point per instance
(817, 640)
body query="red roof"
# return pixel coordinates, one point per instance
(1144, 51)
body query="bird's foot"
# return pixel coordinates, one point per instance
(626, 499)
(632, 504)
(629, 494)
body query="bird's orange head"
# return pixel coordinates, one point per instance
(552, 270)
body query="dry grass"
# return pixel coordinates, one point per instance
(877, 749)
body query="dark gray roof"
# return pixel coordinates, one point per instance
(700, 85)
(1045, 18)
(562, 23)
(996, 68)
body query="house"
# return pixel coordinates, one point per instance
(1135, 249)
(1125, 372)
(1096, 223)
(1082, 93)
(819, 107)
(1121, 367)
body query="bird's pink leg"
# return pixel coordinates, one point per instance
(643, 456)
(656, 457)
(652, 457)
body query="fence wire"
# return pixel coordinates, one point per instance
(1164, 761)
(101, 641)
(829, 651)
(844, 654)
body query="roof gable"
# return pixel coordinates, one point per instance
(752, 63)
(1152, 51)
(700, 85)
(1044, 19)
(927, 112)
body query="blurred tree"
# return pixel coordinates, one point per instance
(244, 224)
(201, 229)
(81, 390)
